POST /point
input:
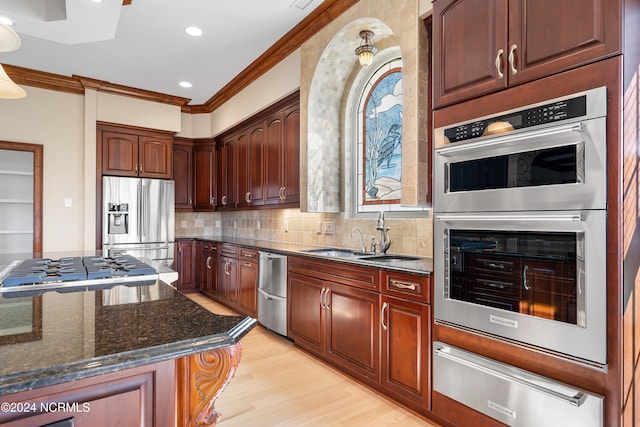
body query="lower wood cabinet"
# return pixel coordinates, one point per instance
(248, 282)
(185, 265)
(406, 344)
(207, 266)
(381, 335)
(142, 396)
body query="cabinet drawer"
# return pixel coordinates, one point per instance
(354, 275)
(407, 286)
(492, 285)
(493, 265)
(248, 254)
(228, 250)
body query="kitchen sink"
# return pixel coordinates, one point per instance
(335, 252)
(383, 258)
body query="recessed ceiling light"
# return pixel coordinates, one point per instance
(97, 1)
(185, 84)
(193, 31)
(7, 21)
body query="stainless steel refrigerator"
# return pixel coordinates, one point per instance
(138, 217)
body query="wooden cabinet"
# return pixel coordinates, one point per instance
(406, 338)
(183, 173)
(549, 289)
(248, 282)
(227, 286)
(185, 264)
(226, 172)
(330, 315)
(481, 46)
(282, 157)
(258, 162)
(145, 395)
(136, 153)
(204, 173)
(207, 265)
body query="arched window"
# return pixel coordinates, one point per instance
(379, 130)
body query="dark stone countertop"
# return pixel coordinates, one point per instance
(422, 265)
(58, 337)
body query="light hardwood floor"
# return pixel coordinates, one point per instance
(277, 384)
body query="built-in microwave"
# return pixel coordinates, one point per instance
(547, 156)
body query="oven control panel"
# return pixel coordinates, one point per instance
(541, 114)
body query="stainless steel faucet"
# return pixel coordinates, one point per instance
(385, 242)
(363, 247)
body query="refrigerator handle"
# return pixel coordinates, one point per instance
(143, 210)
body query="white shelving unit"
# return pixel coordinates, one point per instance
(16, 201)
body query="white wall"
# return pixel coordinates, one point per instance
(65, 125)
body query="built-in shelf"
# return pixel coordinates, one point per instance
(12, 172)
(16, 201)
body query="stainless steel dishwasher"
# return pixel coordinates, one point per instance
(272, 292)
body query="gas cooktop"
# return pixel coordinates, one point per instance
(43, 273)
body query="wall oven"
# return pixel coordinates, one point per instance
(520, 225)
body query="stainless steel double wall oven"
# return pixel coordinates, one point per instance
(520, 225)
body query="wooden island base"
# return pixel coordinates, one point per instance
(201, 379)
(178, 392)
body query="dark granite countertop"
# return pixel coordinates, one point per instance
(422, 265)
(58, 337)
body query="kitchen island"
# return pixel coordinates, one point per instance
(138, 353)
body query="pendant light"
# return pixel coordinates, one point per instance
(9, 41)
(366, 50)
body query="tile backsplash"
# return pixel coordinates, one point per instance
(408, 236)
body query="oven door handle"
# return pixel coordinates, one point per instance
(551, 217)
(500, 140)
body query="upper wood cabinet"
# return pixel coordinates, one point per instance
(481, 46)
(282, 157)
(258, 161)
(204, 174)
(137, 153)
(183, 173)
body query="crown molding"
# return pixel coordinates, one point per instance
(314, 22)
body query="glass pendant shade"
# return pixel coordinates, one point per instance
(9, 40)
(366, 50)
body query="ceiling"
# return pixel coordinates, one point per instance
(143, 44)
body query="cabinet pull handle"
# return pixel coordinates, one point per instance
(326, 297)
(384, 307)
(190, 201)
(280, 193)
(512, 59)
(247, 264)
(403, 285)
(224, 200)
(209, 262)
(493, 285)
(494, 265)
(226, 268)
(525, 283)
(322, 298)
(135, 168)
(284, 193)
(499, 63)
(141, 169)
(246, 197)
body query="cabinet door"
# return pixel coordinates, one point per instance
(272, 159)
(231, 173)
(549, 290)
(155, 157)
(243, 168)
(221, 173)
(211, 266)
(405, 350)
(248, 288)
(256, 166)
(575, 33)
(186, 258)
(291, 156)
(119, 154)
(183, 176)
(352, 330)
(203, 171)
(470, 49)
(305, 312)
